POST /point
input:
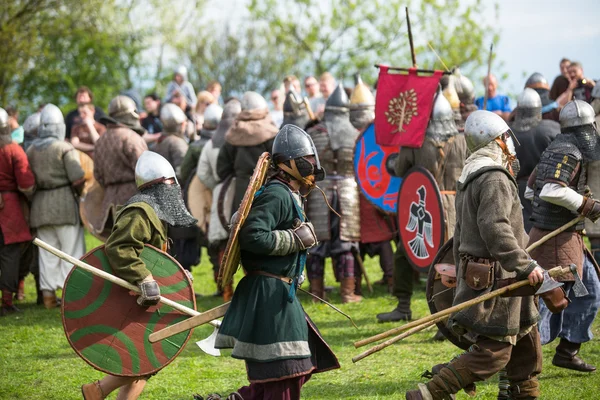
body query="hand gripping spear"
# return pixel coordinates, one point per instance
(207, 345)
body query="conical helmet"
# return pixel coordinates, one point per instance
(172, 117)
(537, 81)
(482, 127)
(152, 168)
(4, 128)
(52, 123)
(576, 113)
(361, 95)
(253, 101)
(338, 98)
(441, 125)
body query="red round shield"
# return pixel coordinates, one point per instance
(420, 218)
(109, 330)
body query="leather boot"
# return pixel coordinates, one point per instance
(358, 286)
(49, 299)
(227, 293)
(92, 391)
(347, 290)
(7, 304)
(400, 313)
(423, 393)
(566, 357)
(317, 288)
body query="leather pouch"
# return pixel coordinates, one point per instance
(479, 276)
(556, 300)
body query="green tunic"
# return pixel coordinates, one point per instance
(261, 325)
(136, 225)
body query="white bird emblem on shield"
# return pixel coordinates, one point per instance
(420, 221)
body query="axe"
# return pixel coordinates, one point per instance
(203, 344)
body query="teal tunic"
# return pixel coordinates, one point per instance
(261, 325)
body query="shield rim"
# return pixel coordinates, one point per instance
(62, 312)
(354, 170)
(442, 217)
(441, 325)
(230, 262)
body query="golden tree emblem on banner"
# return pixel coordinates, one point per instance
(402, 109)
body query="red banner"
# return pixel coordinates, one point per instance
(403, 106)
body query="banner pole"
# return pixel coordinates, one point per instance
(410, 39)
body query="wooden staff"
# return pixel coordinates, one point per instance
(363, 271)
(393, 340)
(410, 40)
(422, 320)
(487, 92)
(114, 279)
(554, 272)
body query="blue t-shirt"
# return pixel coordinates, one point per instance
(496, 103)
(18, 135)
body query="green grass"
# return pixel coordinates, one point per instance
(36, 361)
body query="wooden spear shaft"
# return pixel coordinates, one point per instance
(487, 92)
(393, 340)
(410, 40)
(557, 271)
(114, 279)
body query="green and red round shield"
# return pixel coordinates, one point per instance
(109, 330)
(420, 218)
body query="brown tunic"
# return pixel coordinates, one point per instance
(489, 225)
(115, 156)
(445, 161)
(173, 148)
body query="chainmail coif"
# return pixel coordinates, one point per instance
(167, 202)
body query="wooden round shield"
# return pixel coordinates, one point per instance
(109, 330)
(199, 201)
(88, 168)
(440, 296)
(420, 218)
(373, 168)
(231, 257)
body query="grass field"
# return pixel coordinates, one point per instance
(36, 361)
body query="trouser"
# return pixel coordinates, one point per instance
(286, 389)
(574, 323)
(403, 275)
(29, 260)
(344, 265)
(385, 253)
(10, 255)
(68, 238)
(523, 363)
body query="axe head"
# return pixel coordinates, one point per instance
(579, 288)
(208, 345)
(548, 284)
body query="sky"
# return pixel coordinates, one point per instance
(535, 36)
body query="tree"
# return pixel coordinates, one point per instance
(56, 46)
(343, 36)
(247, 59)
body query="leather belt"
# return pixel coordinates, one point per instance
(284, 279)
(448, 192)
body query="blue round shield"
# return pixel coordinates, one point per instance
(373, 168)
